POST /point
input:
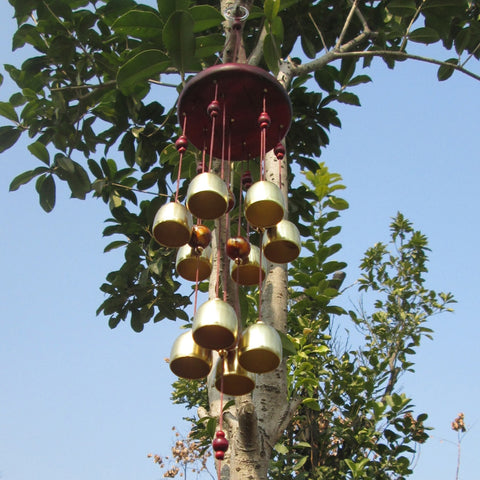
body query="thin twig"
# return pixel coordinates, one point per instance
(317, 28)
(415, 16)
(346, 25)
(471, 55)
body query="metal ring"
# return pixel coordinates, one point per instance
(229, 13)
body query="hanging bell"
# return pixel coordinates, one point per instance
(260, 348)
(189, 260)
(264, 204)
(281, 243)
(172, 225)
(236, 380)
(247, 272)
(207, 196)
(215, 325)
(189, 360)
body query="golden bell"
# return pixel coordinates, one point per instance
(207, 196)
(236, 380)
(215, 325)
(172, 225)
(189, 261)
(189, 360)
(248, 271)
(260, 348)
(264, 204)
(281, 243)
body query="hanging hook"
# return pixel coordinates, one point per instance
(236, 12)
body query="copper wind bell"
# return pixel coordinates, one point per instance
(232, 114)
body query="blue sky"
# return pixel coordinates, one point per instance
(79, 400)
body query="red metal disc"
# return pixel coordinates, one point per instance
(241, 90)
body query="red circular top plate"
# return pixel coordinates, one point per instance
(241, 90)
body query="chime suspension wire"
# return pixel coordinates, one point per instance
(263, 141)
(228, 174)
(222, 168)
(260, 281)
(220, 423)
(184, 134)
(212, 136)
(217, 275)
(196, 288)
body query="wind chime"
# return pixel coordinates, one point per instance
(232, 113)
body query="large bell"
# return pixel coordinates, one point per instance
(236, 380)
(264, 204)
(247, 272)
(189, 360)
(207, 196)
(215, 325)
(281, 243)
(189, 260)
(260, 348)
(172, 225)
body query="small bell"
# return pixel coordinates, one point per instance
(260, 348)
(172, 225)
(247, 272)
(189, 360)
(207, 196)
(264, 204)
(236, 380)
(215, 325)
(189, 260)
(281, 243)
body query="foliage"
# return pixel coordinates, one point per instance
(353, 422)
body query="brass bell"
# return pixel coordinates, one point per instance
(189, 360)
(264, 204)
(281, 243)
(172, 225)
(260, 349)
(247, 272)
(236, 380)
(215, 325)
(189, 260)
(207, 196)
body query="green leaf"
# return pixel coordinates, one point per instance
(8, 137)
(359, 79)
(281, 448)
(297, 466)
(95, 168)
(271, 53)
(45, 187)
(114, 245)
(446, 71)
(311, 403)
(40, 151)
(25, 177)
(205, 17)
(209, 45)
(139, 24)
(270, 8)
(424, 35)
(167, 7)
(7, 111)
(140, 68)
(402, 7)
(178, 36)
(66, 164)
(349, 99)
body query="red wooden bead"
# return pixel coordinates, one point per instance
(279, 151)
(247, 180)
(238, 248)
(182, 143)
(214, 108)
(219, 455)
(264, 120)
(220, 445)
(200, 237)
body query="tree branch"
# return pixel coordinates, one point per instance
(346, 25)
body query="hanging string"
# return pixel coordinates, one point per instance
(260, 281)
(196, 288)
(222, 168)
(217, 279)
(213, 110)
(181, 145)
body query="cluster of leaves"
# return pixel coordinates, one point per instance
(352, 422)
